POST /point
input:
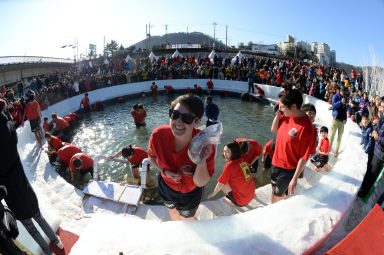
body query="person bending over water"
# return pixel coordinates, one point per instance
(236, 180)
(135, 156)
(293, 142)
(139, 114)
(181, 182)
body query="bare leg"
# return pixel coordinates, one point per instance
(175, 216)
(275, 198)
(135, 172)
(327, 169)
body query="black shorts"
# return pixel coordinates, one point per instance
(280, 179)
(140, 124)
(230, 197)
(319, 160)
(35, 124)
(89, 170)
(185, 203)
(135, 166)
(255, 166)
(267, 162)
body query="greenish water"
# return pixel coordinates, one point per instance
(108, 131)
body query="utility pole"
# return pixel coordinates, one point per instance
(214, 34)
(146, 35)
(166, 34)
(149, 36)
(226, 35)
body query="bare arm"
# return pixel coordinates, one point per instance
(218, 187)
(299, 168)
(117, 154)
(175, 176)
(275, 123)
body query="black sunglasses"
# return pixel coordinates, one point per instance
(187, 118)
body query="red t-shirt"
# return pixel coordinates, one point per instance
(162, 146)
(66, 152)
(293, 142)
(260, 90)
(314, 145)
(61, 123)
(32, 110)
(188, 90)
(154, 87)
(67, 118)
(139, 117)
(87, 161)
(237, 174)
(169, 88)
(268, 149)
(45, 125)
(198, 88)
(56, 143)
(210, 84)
(85, 102)
(324, 145)
(253, 151)
(138, 156)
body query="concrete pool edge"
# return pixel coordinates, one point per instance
(341, 182)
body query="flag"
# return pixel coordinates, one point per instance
(90, 63)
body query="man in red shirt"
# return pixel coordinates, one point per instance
(81, 164)
(33, 113)
(154, 89)
(209, 86)
(85, 103)
(61, 125)
(139, 114)
(198, 90)
(181, 181)
(64, 154)
(169, 90)
(135, 156)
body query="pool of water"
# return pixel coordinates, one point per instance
(108, 131)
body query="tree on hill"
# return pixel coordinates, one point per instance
(249, 45)
(110, 48)
(241, 46)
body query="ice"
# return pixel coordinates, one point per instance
(289, 227)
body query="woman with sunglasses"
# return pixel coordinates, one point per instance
(236, 180)
(181, 182)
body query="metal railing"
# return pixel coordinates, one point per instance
(6, 60)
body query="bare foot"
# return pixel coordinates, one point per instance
(317, 169)
(336, 154)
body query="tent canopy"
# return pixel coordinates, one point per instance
(152, 56)
(212, 54)
(239, 56)
(177, 54)
(106, 62)
(128, 58)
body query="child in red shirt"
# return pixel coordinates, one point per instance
(321, 160)
(154, 89)
(236, 180)
(80, 164)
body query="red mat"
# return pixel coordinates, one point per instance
(68, 239)
(366, 238)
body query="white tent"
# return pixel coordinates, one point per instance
(152, 56)
(212, 54)
(128, 58)
(106, 62)
(177, 54)
(239, 56)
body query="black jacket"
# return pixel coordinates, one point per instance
(21, 198)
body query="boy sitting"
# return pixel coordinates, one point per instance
(321, 160)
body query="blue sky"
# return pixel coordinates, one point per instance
(39, 28)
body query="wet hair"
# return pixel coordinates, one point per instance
(86, 94)
(45, 118)
(127, 151)
(290, 96)
(135, 106)
(209, 99)
(54, 115)
(324, 129)
(192, 102)
(244, 147)
(308, 108)
(235, 150)
(140, 106)
(77, 162)
(47, 134)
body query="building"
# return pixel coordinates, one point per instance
(324, 53)
(290, 43)
(272, 49)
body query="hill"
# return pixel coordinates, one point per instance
(179, 38)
